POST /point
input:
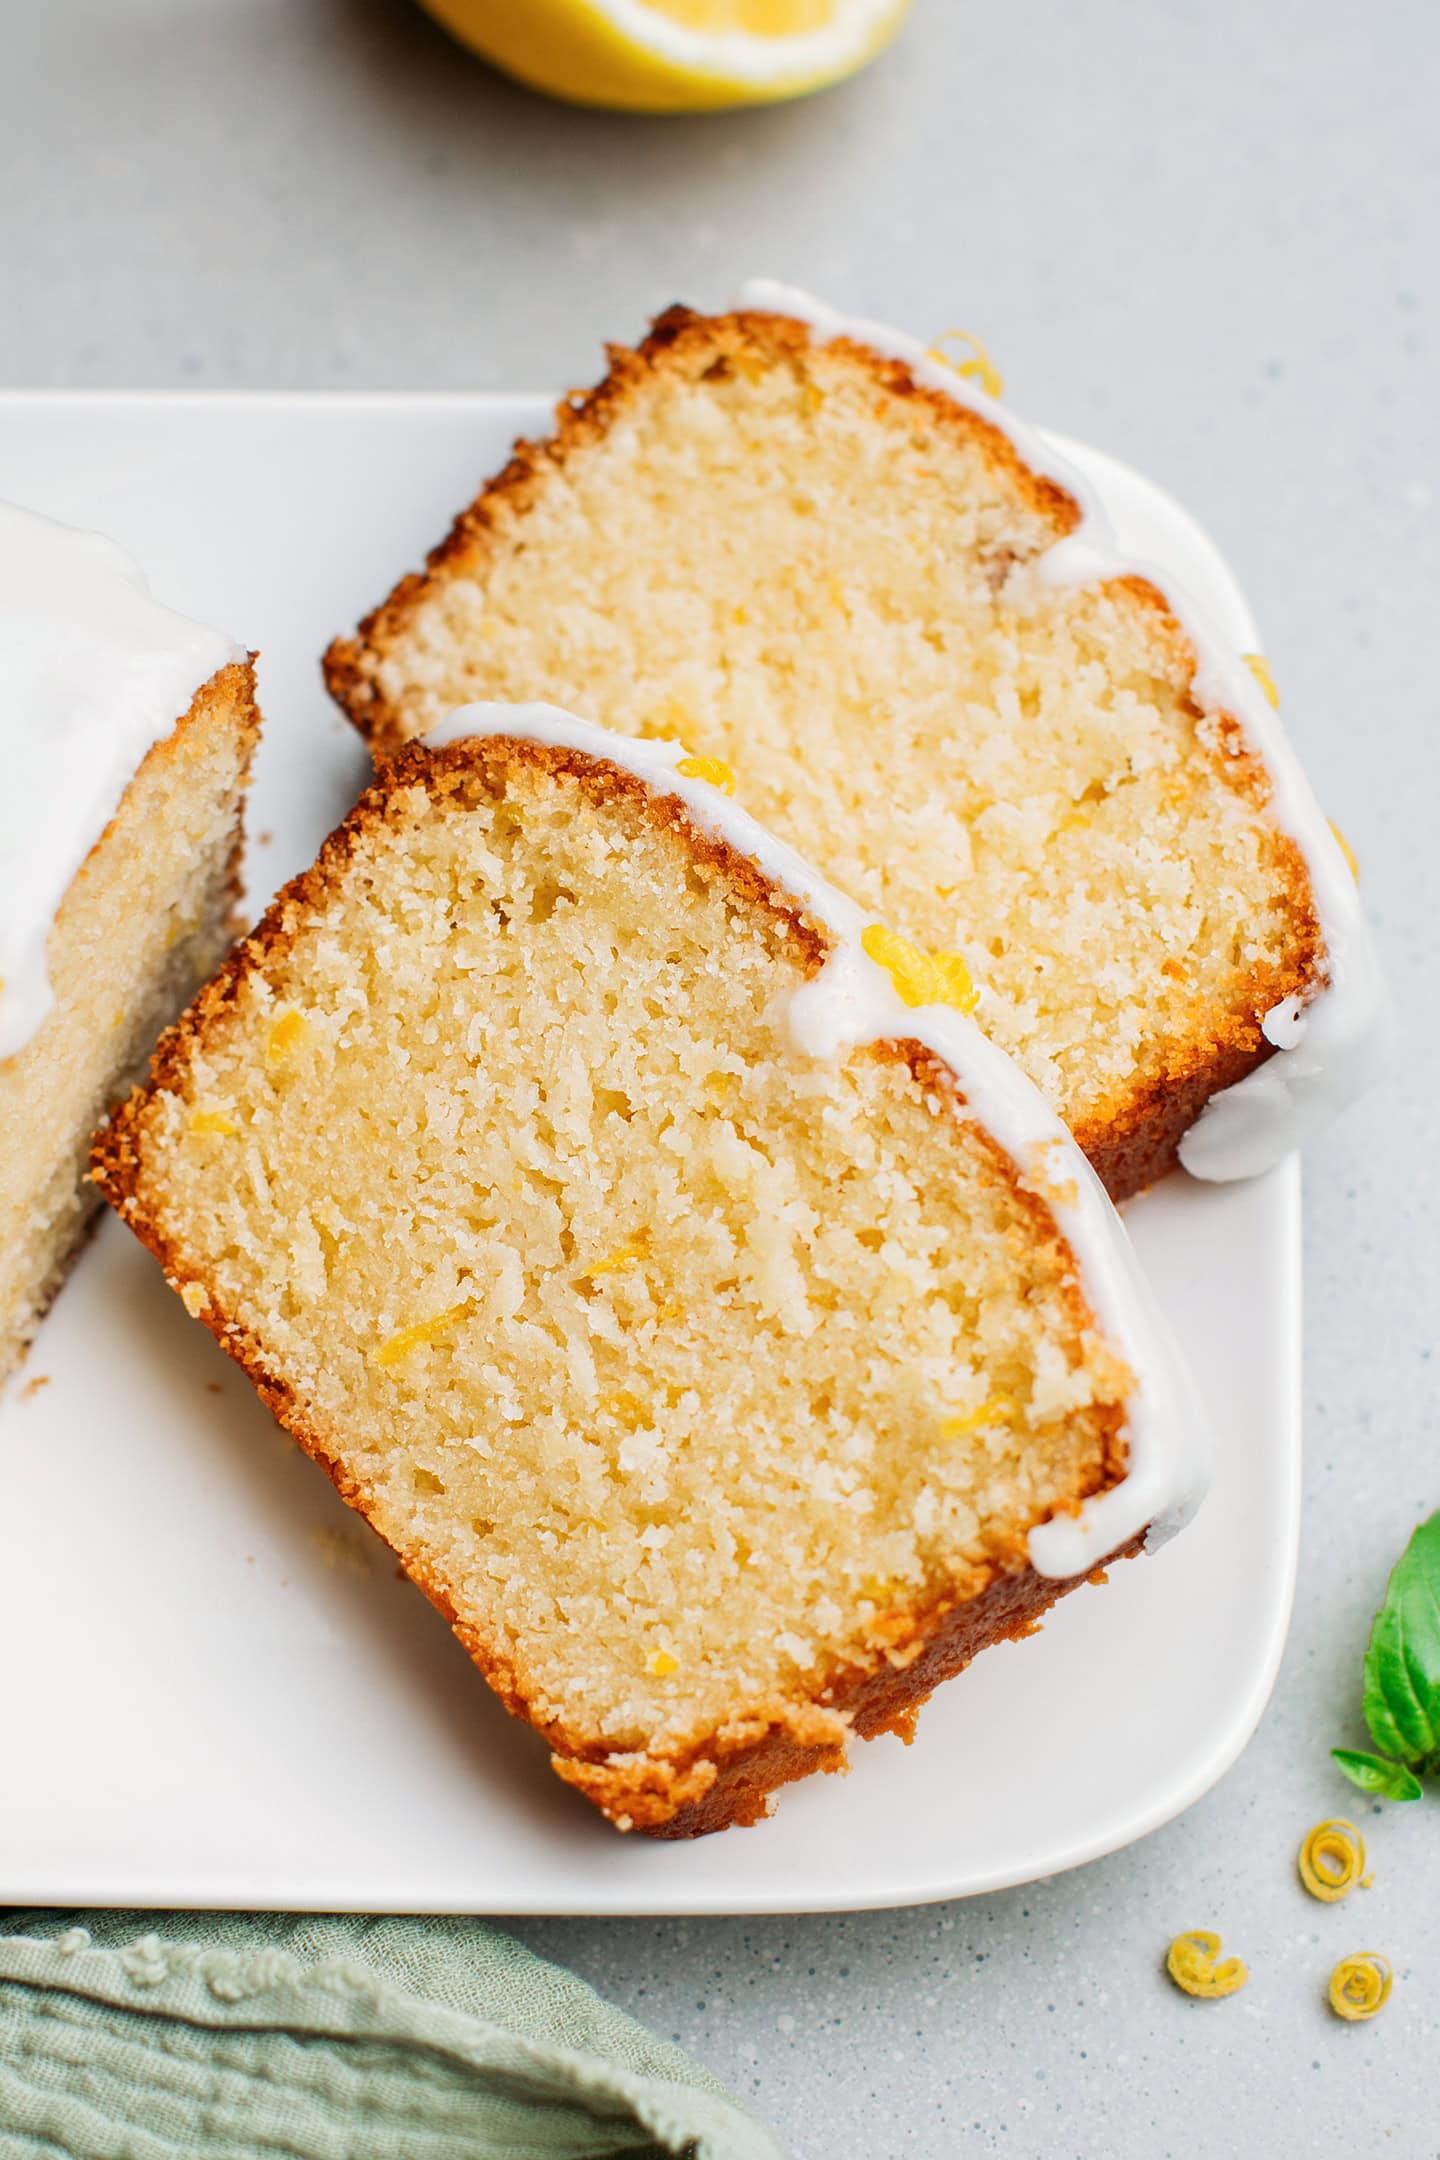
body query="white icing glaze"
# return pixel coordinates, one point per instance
(93, 673)
(1328, 1055)
(854, 1001)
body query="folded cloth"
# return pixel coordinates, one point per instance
(233, 2036)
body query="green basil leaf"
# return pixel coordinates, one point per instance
(1386, 1780)
(1402, 1664)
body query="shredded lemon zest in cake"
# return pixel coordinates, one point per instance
(669, 721)
(713, 769)
(285, 1035)
(1331, 1859)
(999, 1410)
(1194, 1963)
(921, 978)
(212, 1121)
(1360, 1985)
(1346, 850)
(662, 1664)
(979, 367)
(624, 1256)
(398, 1346)
(1259, 667)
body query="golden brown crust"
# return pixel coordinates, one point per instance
(714, 1778)
(732, 1783)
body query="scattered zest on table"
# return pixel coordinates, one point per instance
(1360, 1985)
(1402, 1677)
(1332, 1860)
(1194, 1963)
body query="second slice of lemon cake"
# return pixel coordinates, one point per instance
(802, 544)
(720, 1328)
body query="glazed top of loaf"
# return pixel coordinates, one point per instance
(93, 673)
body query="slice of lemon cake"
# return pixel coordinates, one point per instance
(729, 1341)
(127, 734)
(807, 547)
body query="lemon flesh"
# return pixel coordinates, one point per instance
(673, 55)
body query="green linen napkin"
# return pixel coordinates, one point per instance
(233, 2036)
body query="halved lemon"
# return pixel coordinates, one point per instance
(673, 55)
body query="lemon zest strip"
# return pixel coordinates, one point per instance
(921, 978)
(1193, 1962)
(212, 1121)
(979, 367)
(624, 1256)
(284, 1036)
(1259, 667)
(713, 769)
(1360, 1985)
(1346, 850)
(662, 1664)
(398, 1346)
(999, 1410)
(1331, 1859)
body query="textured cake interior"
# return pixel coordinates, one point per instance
(758, 549)
(145, 920)
(678, 1363)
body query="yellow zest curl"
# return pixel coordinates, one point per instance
(713, 769)
(979, 367)
(921, 978)
(285, 1035)
(1346, 850)
(662, 1664)
(623, 1257)
(1331, 1860)
(1360, 1985)
(211, 1121)
(1259, 667)
(398, 1346)
(1193, 1963)
(999, 1410)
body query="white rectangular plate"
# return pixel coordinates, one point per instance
(213, 1687)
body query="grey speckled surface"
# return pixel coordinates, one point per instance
(1205, 237)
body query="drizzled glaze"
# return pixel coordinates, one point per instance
(1330, 1049)
(853, 1001)
(93, 673)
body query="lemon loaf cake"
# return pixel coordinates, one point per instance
(730, 1342)
(127, 733)
(805, 546)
